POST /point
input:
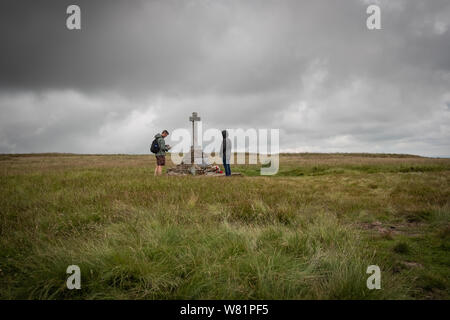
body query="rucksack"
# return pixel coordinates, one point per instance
(155, 146)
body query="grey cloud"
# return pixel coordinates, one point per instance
(310, 68)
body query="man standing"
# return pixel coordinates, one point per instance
(225, 152)
(161, 154)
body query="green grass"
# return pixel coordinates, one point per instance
(310, 232)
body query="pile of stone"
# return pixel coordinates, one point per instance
(187, 169)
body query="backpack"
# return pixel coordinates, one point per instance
(154, 148)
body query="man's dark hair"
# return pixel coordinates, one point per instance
(166, 132)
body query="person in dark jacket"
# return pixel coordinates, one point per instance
(225, 152)
(161, 154)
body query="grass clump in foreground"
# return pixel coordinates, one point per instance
(284, 237)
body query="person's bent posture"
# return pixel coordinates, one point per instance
(161, 154)
(225, 152)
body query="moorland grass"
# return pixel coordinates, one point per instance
(310, 232)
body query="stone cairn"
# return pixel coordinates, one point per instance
(186, 169)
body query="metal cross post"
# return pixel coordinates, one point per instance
(193, 118)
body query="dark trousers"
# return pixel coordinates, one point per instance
(226, 166)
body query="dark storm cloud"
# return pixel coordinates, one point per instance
(310, 68)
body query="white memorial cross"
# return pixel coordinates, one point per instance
(193, 119)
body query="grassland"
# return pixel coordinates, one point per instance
(307, 233)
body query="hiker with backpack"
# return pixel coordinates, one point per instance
(159, 148)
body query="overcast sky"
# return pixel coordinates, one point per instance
(310, 68)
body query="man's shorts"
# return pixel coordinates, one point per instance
(161, 160)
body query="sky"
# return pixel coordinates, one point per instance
(311, 69)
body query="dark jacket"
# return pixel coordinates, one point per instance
(162, 145)
(225, 147)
